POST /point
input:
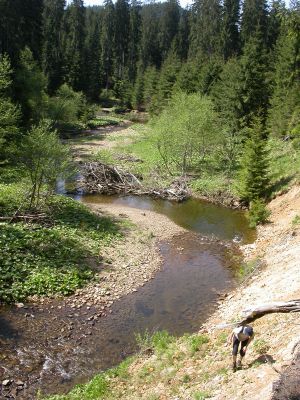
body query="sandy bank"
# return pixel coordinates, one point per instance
(130, 262)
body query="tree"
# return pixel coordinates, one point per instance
(186, 132)
(150, 49)
(253, 176)
(276, 15)
(74, 36)
(255, 86)
(31, 84)
(206, 28)
(107, 48)
(52, 56)
(168, 26)
(254, 20)
(9, 113)
(92, 68)
(230, 28)
(181, 46)
(285, 100)
(134, 39)
(121, 38)
(45, 159)
(20, 26)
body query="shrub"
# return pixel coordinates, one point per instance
(258, 213)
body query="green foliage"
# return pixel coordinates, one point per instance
(196, 342)
(261, 346)
(253, 177)
(38, 260)
(186, 132)
(158, 341)
(258, 213)
(13, 197)
(247, 268)
(32, 84)
(69, 109)
(202, 395)
(44, 158)
(296, 220)
(9, 113)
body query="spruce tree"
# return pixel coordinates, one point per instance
(168, 26)
(52, 57)
(31, 84)
(9, 113)
(150, 49)
(121, 37)
(285, 100)
(92, 64)
(74, 37)
(254, 20)
(206, 28)
(106, 42)
(255, 85)
(134, 39)
(182, 38)
(230, 28)
(254, 177)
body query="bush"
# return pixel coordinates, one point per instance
(258, 213)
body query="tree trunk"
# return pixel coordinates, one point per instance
(279, 307)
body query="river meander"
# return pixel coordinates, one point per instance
(53, 348)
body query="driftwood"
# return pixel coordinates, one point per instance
(252, 314)
(105, 179)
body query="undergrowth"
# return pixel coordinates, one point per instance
(54, 256)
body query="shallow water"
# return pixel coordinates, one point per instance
(54, 347)
(194, 214)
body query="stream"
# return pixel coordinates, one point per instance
(52, 347)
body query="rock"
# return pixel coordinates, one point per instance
(19, 383)
(6, 382)
(20, 305)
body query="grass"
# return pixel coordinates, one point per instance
(296, 220)
(54, 256)
(284, 166)
(104, 120)
(261, 346)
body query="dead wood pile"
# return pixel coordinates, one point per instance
(105, 179)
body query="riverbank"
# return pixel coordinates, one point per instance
(199, 366)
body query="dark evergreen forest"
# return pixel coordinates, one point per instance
(245, 55)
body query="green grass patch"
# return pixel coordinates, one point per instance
(100, 387)
(284, 165)
(195, 342)
(201, 395)
(104, 121)
(261, 346)
(158, 341)
(52, 259)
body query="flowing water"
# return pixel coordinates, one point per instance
(52, 347)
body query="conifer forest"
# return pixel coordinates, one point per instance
(143, 98)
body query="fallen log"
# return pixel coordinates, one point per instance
(255, 313)
(252, 314)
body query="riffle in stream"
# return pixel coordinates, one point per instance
(51, 347)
